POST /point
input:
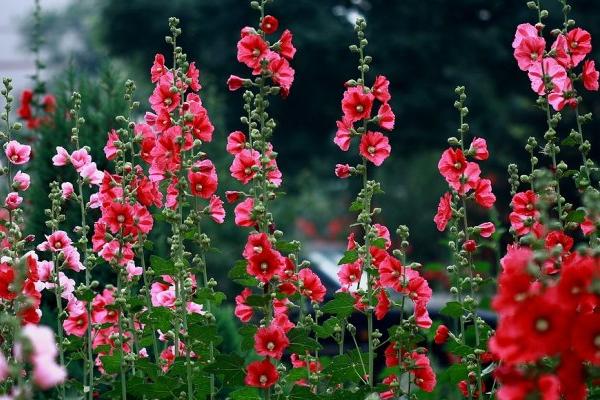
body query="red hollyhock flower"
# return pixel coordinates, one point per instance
(281, 72)
(479, 149)
(486, 229)
(483, 193)
(514, 282)
(571, 374)
(243, 163)
(119, 216)
(243, 311)
(423, 373)
(579, 42)
(257, 243)
(381, 89)
(586, 337)
(236, 142)
(529, 52)
(470, 246)
(357, 104)
(392, 274)
(540, 73)
(286, 48)
(235, 82)
(375, 147)
(311, 285)
(158, 69)
(590, 75)
(391, 355)
(350, 274)
(452, 164)
(342, 135)
(577, 274)
(162, 97)
(269, 24)
(265, 265)
(142, 219)
(270, 341)
(342, 171)
(243, 213)
(386, 117)
(7, 276)
(562, 97)
(444, 212)
(216, 209)
(441, 334)
(261, 374)
(516, 386)
(383, 305)
(194, 74)
(555, 238)
(201, 184)
(465, 388)
(251, 50)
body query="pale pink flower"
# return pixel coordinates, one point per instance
(91, 173)
(17, 153)
(80, 158)
(67, 190)
(13, 200)
(21, 181)
(61, 158)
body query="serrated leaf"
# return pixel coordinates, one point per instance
(356, 206)
(287, 247)
(327, 328)
(246, 393)
(111, 364)
(349, 257)
(247, 333)
(256, 300)
(301, 393)
(576, 216)
(458, 348)
(230, 367)
(239, 274)
(301, 342)
(452, 309)
(162, 266)
(341, 306)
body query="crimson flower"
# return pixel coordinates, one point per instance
(261, 374)
(270, 341)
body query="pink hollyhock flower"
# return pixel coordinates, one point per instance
(201, 184)
(235, 82)
(72, 259)
(269, 24)
(393, 274)
(265, 265)
(479, 149)
(158, 69)
(77, 320)
(342, 135)
(61, 158)
(216, 209)
(375, 147)
(232, 196)
(444, 212)
(381, 89)
(422, 318)
(483, 193)
(383, 305)
(540, 72)
(102, 312)
(286, 48)
(132, 270)
(452, 164)
(590, 75)
(242, 310)
(311, 286)
(357, 104)
(383, 232)
(17, 153)
(46, 372)
(281, 72)
(524, 31)
(13, 200)
(563, 97)
(386, 117)
(342, 171)
(579, 42)
(80, 158)
(243, 163)
(261, 374)
(162, 97)
(67, 284)
(251, 49)
(194, 75)
(142, 220)
(561, 52)
(270, 341)
(195, 308)
(350, 274)
(486, 229)
(110, 150)
(21, 181)
(91, 174)
(236, 142)
(163, 295)
(529, 51)
(243, 213)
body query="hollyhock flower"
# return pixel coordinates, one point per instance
(375, 147)
(342, 135)
(441, 335)
(194, 75)
(586, 337)
(21, 181)
(479, 149)
(158, 69)
(119, 216)
(261, 374)
(244, 164)
(13, 200)
(392, 273)
(563, 97)
(110, 150)
(286, 48)
(529, 51)
(269, 24)
(251, 49)
(384, 233)
(67, 285)
(46, 372)
(555, 238)
(486, 229)
(7, 277)
(281, 72)
(201, 184)
(236, 142)
(132, 270)
(61, 158)
(539, 74)
(311, 286)
(80, 158)
(100, 313)
(49, 103)
(386, 117)
(524, 203)
(452, 164)
(162, 294)
(270, 341)
(17, 153)
(73, 259)
(257, 243)
(162, 97)
(242, 310)
(580, 44)
(235, 82)
(391, 355)
(243, 213)
(77, 320)
(483, 193)
(466, 388)
(424, 376)
(113, 250)
(91, 174)
(444, 212)
(350, 274)
(577, 274)
(590, 75)
(216, 209)
(342, 171)
(265, 265)
(417, 288)
(195, 308)
(383, 305)
(571, 374)
(470, 246)
(381, 89)
(357, 104)
(518, 387)
(523, 31)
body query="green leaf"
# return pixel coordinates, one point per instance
(208, 294)
(457, 373)
(452, 309)
(287, 247)
(379, 243)
(256, 300)
(247, 333)
(230, 367)
(327, 328)
(346, 367)
(162, 266)
(246, 393)
(111, 364)
(300, 342)
(356, 206)
(576, 216)
(349, 257)
(459, 349)
(341, 306)
(297, 374)
(301, 393)
(569, 141)
(160, 318)
(239, 274)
